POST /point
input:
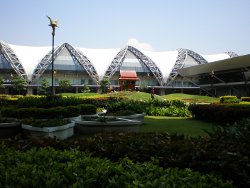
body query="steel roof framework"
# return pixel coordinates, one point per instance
(12, 58)
(143, 59)
(180, 62)
(75, 54)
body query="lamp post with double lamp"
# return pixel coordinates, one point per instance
(53, 24)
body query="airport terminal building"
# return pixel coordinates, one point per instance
(181, 70)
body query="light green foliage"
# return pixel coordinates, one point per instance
(85, 89)
(104, 85)
(64, 84)
(43, 89)
(229, 99)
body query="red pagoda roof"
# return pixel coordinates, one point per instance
(128, 75)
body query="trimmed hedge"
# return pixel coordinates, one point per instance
(44, 113)
(52, 168)
(53, 101)
(219, 113)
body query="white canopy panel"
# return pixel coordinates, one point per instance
(164, 60)
(29, 56)
(216, 57)
(100, 58)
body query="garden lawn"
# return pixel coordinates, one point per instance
(179, 125)
(191, 98)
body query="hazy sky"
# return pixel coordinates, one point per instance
(204, 26)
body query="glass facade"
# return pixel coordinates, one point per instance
(143, 73)
(67, 68)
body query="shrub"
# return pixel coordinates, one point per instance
(229, 99)
(214, 155)
(132, 105)
(47, 101)
(41, 113)
(219, 113)
(168, 111)
(45, 122)
(86, 109)
(51, 168)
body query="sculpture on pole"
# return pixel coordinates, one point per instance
(53, 24)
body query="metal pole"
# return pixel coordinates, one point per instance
(53, 25)
(52, 64)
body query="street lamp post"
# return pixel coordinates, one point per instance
(53, 25)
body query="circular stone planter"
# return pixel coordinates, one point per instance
(137, 117)
(60, 132)
(11, 128)
(116, 125)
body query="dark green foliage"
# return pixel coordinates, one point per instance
(218, 155)
(47, 101)
(45, 122)
(229, 99)
(7, 101)
(43, 113)
(52, 168)
(135, 106)
(53, 101)
(87, 109)
(219, 113)
(239, 132)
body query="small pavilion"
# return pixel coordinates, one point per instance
(127, 80)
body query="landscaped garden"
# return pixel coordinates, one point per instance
(183, 141)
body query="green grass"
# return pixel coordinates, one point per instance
(85, 95)
(137, 95)
(179, 125)
(128, 94)
(191, 98)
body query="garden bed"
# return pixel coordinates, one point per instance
(60, 132)
(96, 124)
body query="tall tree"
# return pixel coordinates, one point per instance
(44, 88)
(1, 83)
(19, 84)
(64, 85)
(104, 85)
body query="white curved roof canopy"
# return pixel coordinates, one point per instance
(164, 60)
(29, 56)
(100, 58)
(216, 57)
